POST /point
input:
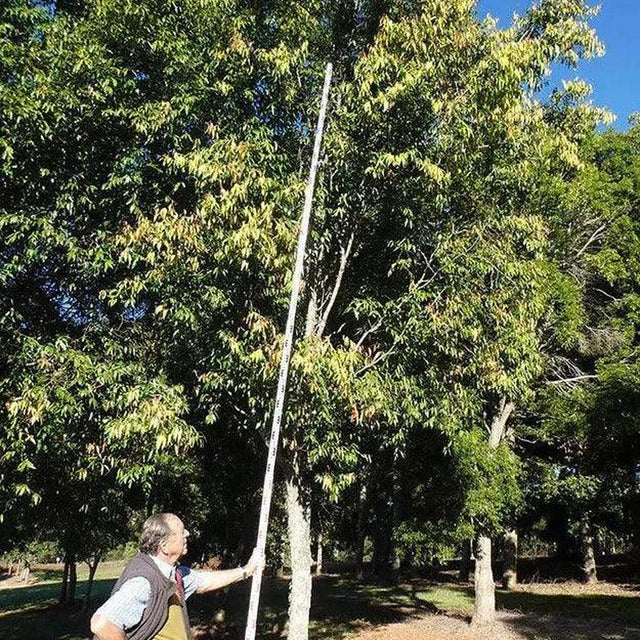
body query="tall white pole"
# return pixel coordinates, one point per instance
(267, 490)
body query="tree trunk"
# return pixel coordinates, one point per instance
(360, 533)
(65, 579)
(589, 572)
(510, 557)
(93, 566)
(465, 562)
(319, 554)
(73, 580)
(299, 530)
(395, 520)
(485, 597)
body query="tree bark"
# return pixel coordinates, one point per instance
(299, 530)
(319, 554)
(465, 562)
(73, 580)
(65, 579)
(589, 571)
(485, 597)
(395, 520)
(360, 532)
(93, 566)
(510, 568)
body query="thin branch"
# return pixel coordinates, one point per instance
(569, 380)
(608, 295)
(378, 358)
(368, 332)
(344, 256)
(593, 237)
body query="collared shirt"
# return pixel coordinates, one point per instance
(126, 606)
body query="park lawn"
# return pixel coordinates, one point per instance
(565, 600)
(341, 607)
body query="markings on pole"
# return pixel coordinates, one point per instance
(252, 618)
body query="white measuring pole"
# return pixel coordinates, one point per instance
(267, 490)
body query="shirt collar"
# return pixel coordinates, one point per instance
(165, 568)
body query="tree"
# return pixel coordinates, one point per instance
(586, 433)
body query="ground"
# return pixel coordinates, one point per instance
(508, 626)
(419, 608)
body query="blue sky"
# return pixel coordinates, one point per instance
(616, 76)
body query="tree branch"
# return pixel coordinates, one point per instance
(344, 256)
(569, 380)
(593, 237)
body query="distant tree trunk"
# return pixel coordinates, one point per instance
(485, 597)
(395, 520)
(65, 579)
(73, 580)
(589, 571)
(26, 571)
(299, 530)
(465, 562)
(93, 566)
(319, 554)
(510, 557)
(360, 532)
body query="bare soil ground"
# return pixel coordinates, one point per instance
(508, 626)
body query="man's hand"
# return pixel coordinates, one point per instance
(255, 564)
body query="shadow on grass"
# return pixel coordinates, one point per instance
(572, 617)
(341, 607)
(34, 613)
(617, 607)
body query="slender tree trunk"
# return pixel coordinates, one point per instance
(300, 550)
(395, 520)
(485, 597)
(319, 554)
(73, 580)
(589, 572)
(510, 568)
(93, 566)
(65, 579)
(465, 562)
(360, 532)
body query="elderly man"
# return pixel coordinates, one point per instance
(148, 601)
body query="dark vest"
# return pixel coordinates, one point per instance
(156, 613)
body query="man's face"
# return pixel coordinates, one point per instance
(175, 544)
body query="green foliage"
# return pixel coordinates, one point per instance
(426, 544)
(153, 161)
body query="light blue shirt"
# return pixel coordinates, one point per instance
(126, 606)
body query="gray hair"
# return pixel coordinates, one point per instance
(154, 530)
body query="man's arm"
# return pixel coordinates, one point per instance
(104, 629)
(212, 580)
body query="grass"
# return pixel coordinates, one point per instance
(340, 608)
